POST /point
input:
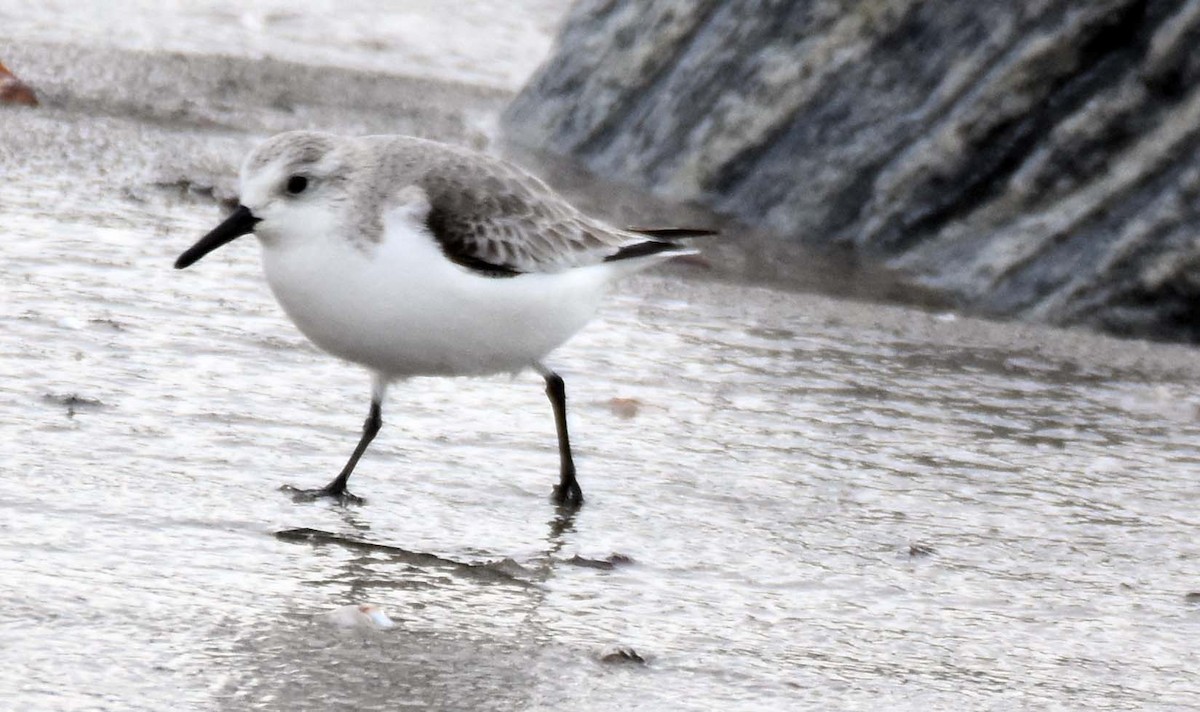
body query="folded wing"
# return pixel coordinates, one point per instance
(495, 219)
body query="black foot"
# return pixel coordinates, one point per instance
(570, 496)
(342, 497)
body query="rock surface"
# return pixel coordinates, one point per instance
(1036, 158)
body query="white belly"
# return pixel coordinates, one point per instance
(401, 309)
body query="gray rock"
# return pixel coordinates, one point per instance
(1033, 158)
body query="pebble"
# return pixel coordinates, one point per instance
(622, 655)
(15, 91)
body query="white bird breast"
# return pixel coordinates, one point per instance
(402, 309)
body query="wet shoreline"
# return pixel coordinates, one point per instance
(806, 501)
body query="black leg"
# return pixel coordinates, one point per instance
(337, 488)
(371, 427)
(567, 493)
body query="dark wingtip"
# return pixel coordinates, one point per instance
(674, 233)
(645, 249)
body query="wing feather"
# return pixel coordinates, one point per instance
(488, 212)
(497, 219)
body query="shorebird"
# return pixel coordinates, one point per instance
(417, 258)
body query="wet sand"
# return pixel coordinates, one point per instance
(804, 501)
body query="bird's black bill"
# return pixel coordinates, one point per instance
(241, 222)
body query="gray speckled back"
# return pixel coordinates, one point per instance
(486, 208)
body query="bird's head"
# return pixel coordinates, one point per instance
(291, 187)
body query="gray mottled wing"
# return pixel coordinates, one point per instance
(494, 218)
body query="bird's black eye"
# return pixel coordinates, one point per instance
(297, 184)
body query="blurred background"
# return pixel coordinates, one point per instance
(919, 431)
(1028, 159)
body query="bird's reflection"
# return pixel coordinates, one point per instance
(372, 566)
(560, 525)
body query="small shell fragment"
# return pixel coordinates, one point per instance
(625, 408)
(13, 90)
(363, 616)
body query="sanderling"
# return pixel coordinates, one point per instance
(416, 258)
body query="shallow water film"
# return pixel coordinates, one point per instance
(793, 501)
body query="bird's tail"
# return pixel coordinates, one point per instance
(664, 245)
